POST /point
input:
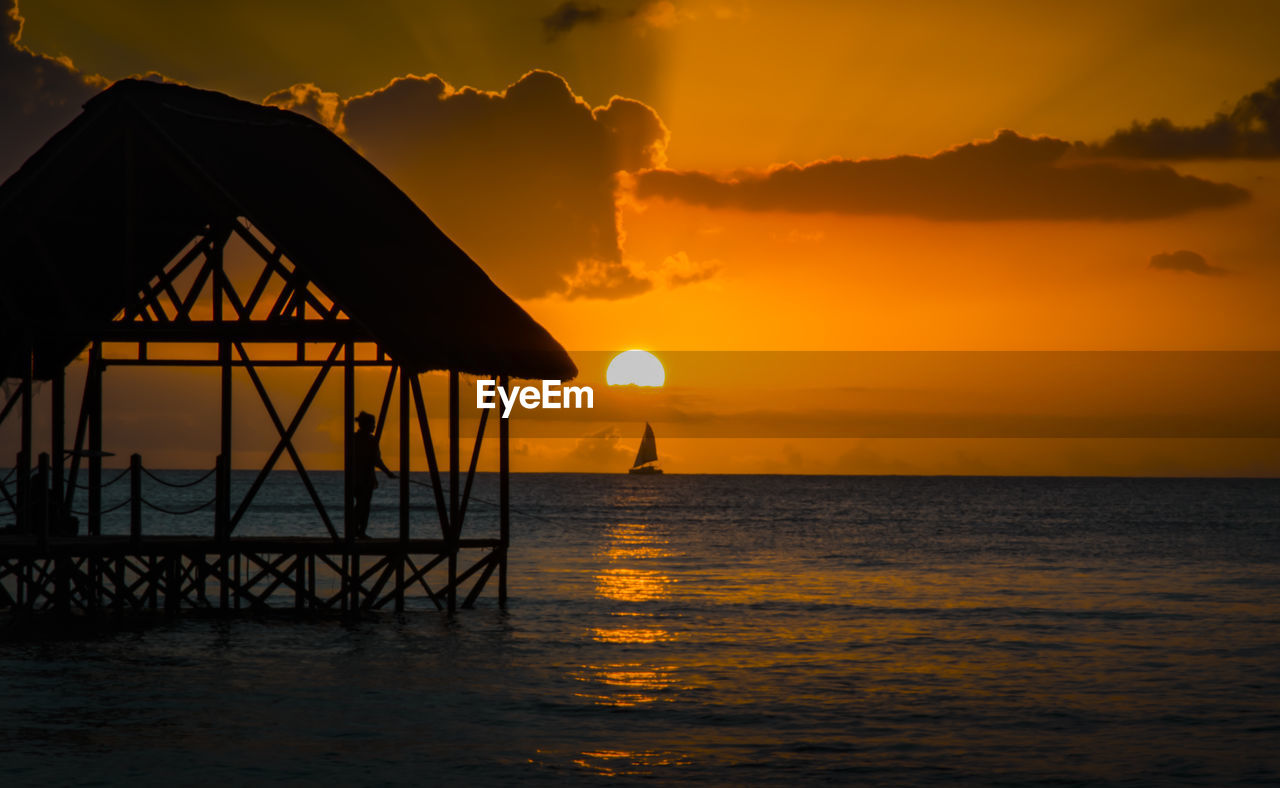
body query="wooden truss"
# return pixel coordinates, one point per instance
(192, 300)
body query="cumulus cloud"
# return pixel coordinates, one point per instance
(307, 99)
(569, 15)
(524, 179)
(1184, 261)
(1009, 177)
(1251, 130)
(38, 94)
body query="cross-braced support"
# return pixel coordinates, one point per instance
(193, 301)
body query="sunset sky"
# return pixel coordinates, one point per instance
(753, 176)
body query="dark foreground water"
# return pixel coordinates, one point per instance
(729, 630)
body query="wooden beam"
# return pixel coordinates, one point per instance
(404, 487)
(348, 420)
(279, 449)
(470, 601)
(8, 406)
(386, 402)
(504, 498)
(288, 441)
(81, 426)
(25, 508)
(425, 428)
(216, 331)
(213, 362)
(95, 438)
(222, 509)
(57, 433)
(471, 470)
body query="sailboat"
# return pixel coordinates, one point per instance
(648, 454)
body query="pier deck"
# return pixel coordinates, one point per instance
(177, 573)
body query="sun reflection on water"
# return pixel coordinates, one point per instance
(622, 580)
(625, 763)
(626, 684)
(630, 576)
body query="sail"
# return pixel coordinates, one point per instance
(648, 448)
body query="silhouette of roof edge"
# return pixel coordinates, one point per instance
(111, 198)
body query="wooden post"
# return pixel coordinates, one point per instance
(135, 498)
(95, 438)
(350, 564)
(221, 499)
(58, 435)
(222, 491)
(40, 502)
(452, 538)
(299, 564)
(173, 583)
(504, 498)
(404, 487)
(26, 510)
(348, 420)
(221, 527)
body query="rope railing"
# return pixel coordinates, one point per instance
(179, 485)
(108, 510)
(136, 470)
(179, 512)
(54, 517)
(105, 485)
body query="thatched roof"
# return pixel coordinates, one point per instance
(113, 197)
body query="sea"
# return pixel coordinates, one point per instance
(717, 630)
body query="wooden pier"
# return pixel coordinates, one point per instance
(180, 573)
(116, 238)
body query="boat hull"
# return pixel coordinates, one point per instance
(646, 470)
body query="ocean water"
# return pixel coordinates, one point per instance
(724, 630)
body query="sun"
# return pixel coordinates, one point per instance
(635, 368)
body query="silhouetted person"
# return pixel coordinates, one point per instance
(362, 462)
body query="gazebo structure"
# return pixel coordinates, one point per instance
(113, 239)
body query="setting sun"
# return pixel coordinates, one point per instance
(635, 368)
(329, 317)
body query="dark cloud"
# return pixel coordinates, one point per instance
(1186, 262)
(523, 179)
(38, 94)
(1010, 177)
(1251, 130)
(569, 15)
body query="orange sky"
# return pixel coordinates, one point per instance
(980, 249)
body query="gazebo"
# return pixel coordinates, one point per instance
(114, 234)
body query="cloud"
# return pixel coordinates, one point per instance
(600, 451)
(679, 269)
(1184, 261)
(597, 279)
(524, 179)
(38, 94)
(307, 99)
(569, 15)
(1009, 177)
(1251, 130)
(658, 14)
(646, 15)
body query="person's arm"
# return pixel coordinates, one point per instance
(377, 461)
